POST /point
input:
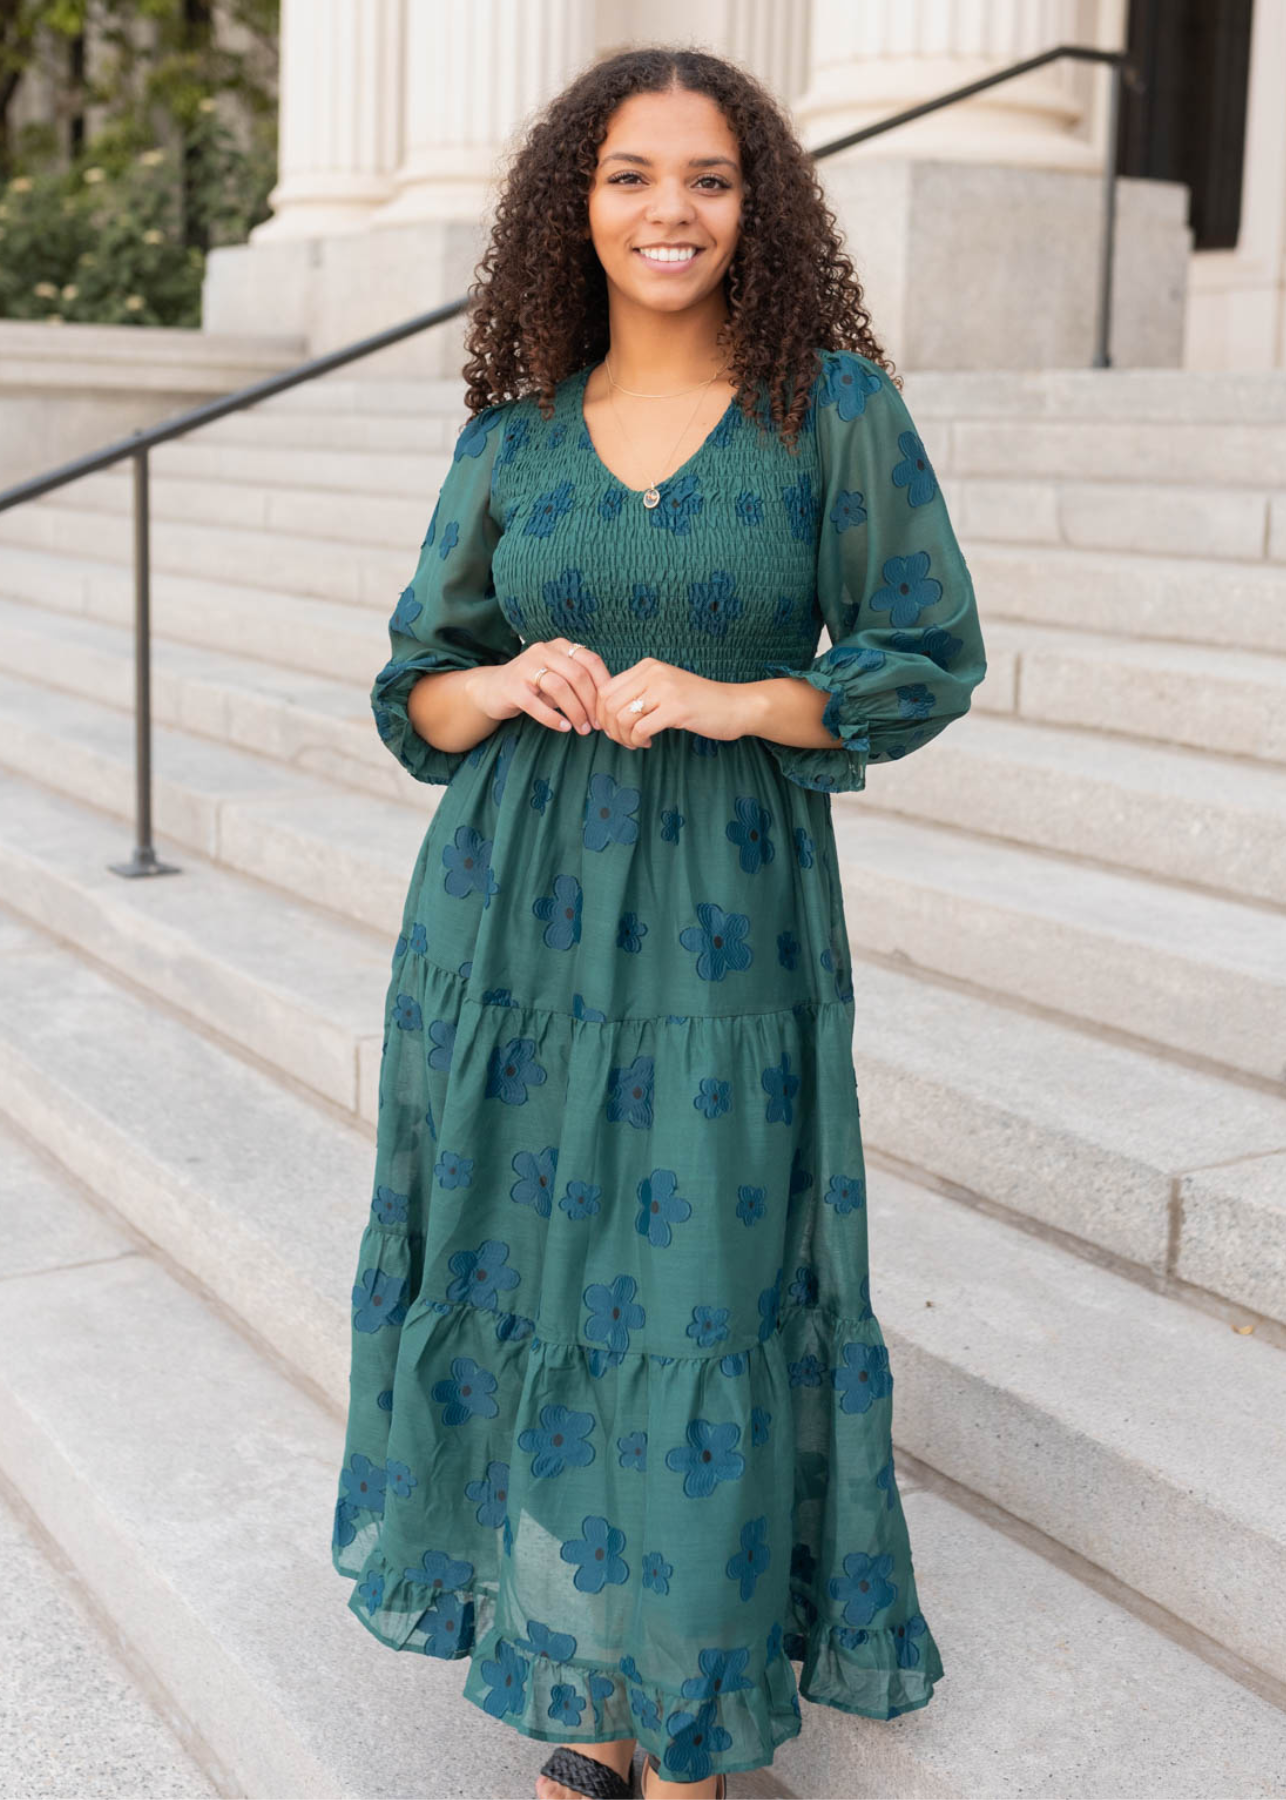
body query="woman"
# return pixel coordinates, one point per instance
(620, 1425)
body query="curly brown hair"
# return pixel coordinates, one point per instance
(538, 305)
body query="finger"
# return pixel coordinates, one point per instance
(563, 691)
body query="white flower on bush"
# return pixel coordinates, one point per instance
(150, 158)
(153, 236)
(70, 291)
(46, 290)
(93, 175)
(134, 301)
(207, 105)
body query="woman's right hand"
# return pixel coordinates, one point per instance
(566, 697)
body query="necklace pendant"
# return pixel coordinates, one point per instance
(652, 498)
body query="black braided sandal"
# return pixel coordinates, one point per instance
(586, 1776)
(721, 1792)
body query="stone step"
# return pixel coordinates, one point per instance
(1235, 455)
(1016, 1363)
(81, 1720)
(1140, 518)
(1175, 1172)
(1181, 814)
(296, 563)
(1231, 701)
(1191, 973)
(1145, 598)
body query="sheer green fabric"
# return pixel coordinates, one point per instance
(620, 1428)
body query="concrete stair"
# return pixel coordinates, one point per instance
(1069, 960)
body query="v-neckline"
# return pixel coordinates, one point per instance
(638, 493)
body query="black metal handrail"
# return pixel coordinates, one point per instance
(139, 444)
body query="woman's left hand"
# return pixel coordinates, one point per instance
(671, 697)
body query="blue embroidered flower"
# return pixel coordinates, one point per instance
(754, 1556)
(787, 949)
(750, 508)
(535, 1184)
(467, 861)
(364, 1483)
(863, 1376)
(609, 507)
(708, 1325)
(681, 501)
(905, 1638)
(630, 932)
(570, 604)
(442, 1035)
(481, 1275)
(864, 1587)
(886, 1481)
(714, 604)
(541, 794)
(804, 848)
(845, 1192)
(448, 1627)
(719, 940)
(633, 1450)
(450, 538)
(769, 1304)
(629, 1097)
(452, 1171)
(597, 1554)
(660, 1207)
(707, 1457)
(916, 700)
(751, 1205)
(565, 1704)
(649, 1714)
(548, 509)
(807, 1372)
(401, 621)
(609, 813)
(713, 1097)
(613, 1312)
(378, 1300)
(915, 471)
(804, 1289)
(406, 1014)
(600, 1688)
(389, 1208)
(692, 1739)
(559, 1442)
(849, 510)
(490, 1492)
(846, 384)
(400, 1479)
(908, 589)
(672, 823)
(644, 600)
(472, 437)
(440, 1572)
(749, 830)
(802, 506)
(558, 1646)
(657, 1572)
(581, 1201)
(467, 1394)
(759, 1423)
(781, 1087)
(581, 1009)
(512, 1069)
(774, 1641)
(561, 912)
(506, 1676)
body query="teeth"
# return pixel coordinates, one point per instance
(668, 255)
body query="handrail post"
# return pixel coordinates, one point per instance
(144, 860)
(1102, 359)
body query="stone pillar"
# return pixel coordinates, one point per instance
(340, 116)
(471, 75)
(881, 56)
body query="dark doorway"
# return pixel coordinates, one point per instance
(1190, 126)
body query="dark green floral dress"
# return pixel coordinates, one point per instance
(620, 1418)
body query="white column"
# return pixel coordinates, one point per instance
(471, 75)
(340, 116)
(871, 58)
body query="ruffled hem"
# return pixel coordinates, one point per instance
(735, 1712)
(837, 771)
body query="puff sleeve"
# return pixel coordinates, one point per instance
(906, 647)
(449, 616)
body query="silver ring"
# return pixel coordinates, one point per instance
(635, 706)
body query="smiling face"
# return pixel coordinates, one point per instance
(668, 182)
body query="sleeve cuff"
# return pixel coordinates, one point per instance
(838, 771)
(389, 697)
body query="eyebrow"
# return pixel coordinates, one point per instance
(694, 162)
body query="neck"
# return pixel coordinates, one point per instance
(663, 352)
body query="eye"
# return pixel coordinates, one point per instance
(619, 180)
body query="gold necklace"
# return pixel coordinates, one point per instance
(652, 494)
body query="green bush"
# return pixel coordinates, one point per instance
(115, 240)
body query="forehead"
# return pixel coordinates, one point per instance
(673, 128)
